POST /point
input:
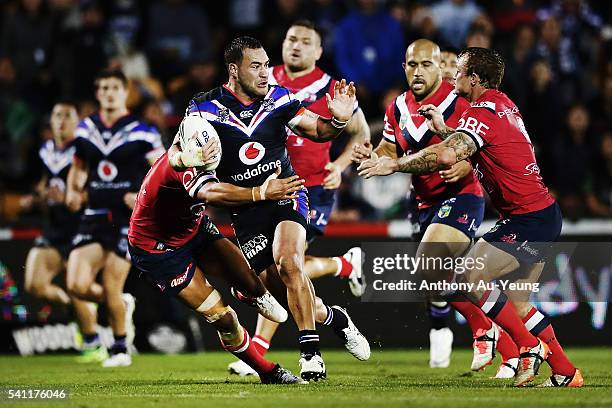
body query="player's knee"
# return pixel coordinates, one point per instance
(77, 287)
(289, 266)
(214, 310)
(35, 289)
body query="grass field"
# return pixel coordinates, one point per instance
(389, 379)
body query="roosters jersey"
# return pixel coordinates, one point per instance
(505, 162)
(116, 156)
(167, 213)
(307, 157)
(56, 161)
(408, 130)
(253, 137)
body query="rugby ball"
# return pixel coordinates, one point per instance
(194, 133)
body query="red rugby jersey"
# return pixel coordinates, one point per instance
(505, 162)
(166, 213)
(308, 158)
(408, 130)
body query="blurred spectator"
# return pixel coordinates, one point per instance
(453, 19)
(601, 107)
(369, 47)
(200, 77)
(519, 57)
(573, 157)
(152, 112)
(542, 103)
(509, 15)
(478, 37)
(598, 186)
(28, 38)
(278, 20)
(177, 32)
(83, 51)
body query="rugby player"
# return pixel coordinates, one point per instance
(171, 241)
(113, 151)
(48, 257)
(491, 132)
(311, 161)
(448, 65)
(250, 117)
(450, 202)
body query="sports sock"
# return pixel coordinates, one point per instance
(439, 313)
(496, 305)
(337, 320)
(247, 352)
(91, 340)
(119, 344)
(475, 317)
(506, 346)
(344, 267)
(540, 326)
(261, 345)
(309, 342)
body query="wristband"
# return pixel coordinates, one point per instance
(338, 124)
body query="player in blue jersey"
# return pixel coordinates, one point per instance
(113, 152)
(250, 117)
(47, 258)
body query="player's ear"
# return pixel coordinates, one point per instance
(319, 52)
(233, 70)
(474, 79)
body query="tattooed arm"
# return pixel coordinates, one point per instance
(456, 147)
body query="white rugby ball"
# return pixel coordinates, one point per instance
(194, 133)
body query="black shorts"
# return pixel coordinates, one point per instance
(61, 242)
(527, 237)
(106, 227)
(172, 270)
(255, 227)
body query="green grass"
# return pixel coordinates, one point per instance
(389, 379)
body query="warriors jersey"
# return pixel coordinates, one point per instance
(56, 161)
(253, 136)
(116, 156)
(408, 130)
(167, 213)
(505, 162)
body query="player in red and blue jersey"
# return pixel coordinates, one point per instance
(450, 203)
(113, 152)
(172, 241)
(492, 134)
(250, 117)
(311, 161)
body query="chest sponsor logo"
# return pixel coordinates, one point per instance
(107, 171)
(251, 153)
(254, 246)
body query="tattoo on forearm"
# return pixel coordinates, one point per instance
(446, 132)
(462, 144)
(428, 160)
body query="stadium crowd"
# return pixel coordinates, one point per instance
(559, 72)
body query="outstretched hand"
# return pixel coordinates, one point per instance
(342, 104)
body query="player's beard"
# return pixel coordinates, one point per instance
(252, 91)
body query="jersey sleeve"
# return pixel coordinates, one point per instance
(291, 106)
(193, 181)
(154, 146)
(390, 123)
(81, 136)
(478, 123)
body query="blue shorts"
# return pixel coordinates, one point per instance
(527, 237)
(321, 204)
(172, 270)
(463, 212)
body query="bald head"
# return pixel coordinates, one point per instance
(422, 68)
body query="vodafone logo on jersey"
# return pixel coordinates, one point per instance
(107, 170)
(251, 153)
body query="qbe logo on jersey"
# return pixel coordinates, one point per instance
(251, 153)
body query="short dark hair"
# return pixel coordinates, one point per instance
(486, 63)
(111, 73)
(66, 102)
(304, 22)
(235, 50)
